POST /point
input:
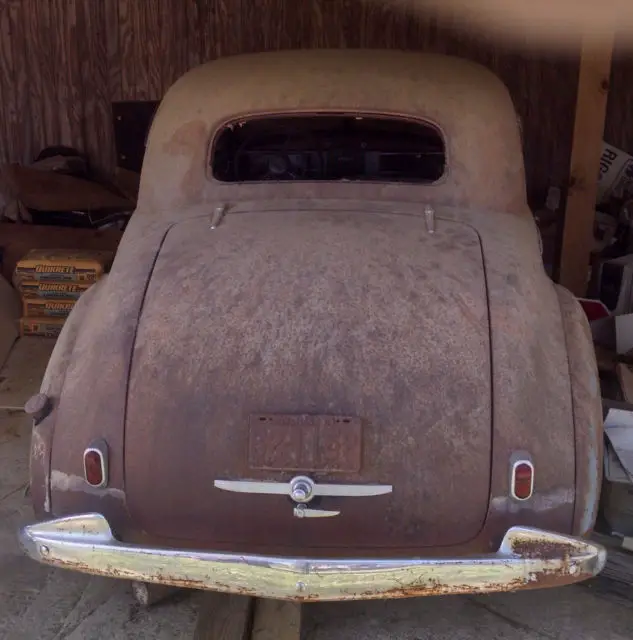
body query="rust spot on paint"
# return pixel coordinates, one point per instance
(190, 142)
(186, 139)
(545, 550)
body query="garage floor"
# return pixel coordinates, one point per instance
(44, 604)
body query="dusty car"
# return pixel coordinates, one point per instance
(327, 363)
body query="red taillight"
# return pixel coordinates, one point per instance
(522, 480)
(95, 467)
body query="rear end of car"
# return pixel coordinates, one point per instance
(317, 385)
(311, 435)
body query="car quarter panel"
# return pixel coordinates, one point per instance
(52, 385)
(92, 400)
(587, 405)
(532, 403)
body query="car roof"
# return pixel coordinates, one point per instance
(469, 104)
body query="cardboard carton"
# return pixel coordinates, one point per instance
(30, 289)
(62, 265)
(45, 308)
(47, 327)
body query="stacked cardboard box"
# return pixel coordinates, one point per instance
(51, 281)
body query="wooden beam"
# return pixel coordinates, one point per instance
(591, 105)
(224, 616)
(277, 620)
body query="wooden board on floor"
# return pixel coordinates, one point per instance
(276, 620)
(224, 616)
(230, 617)
(617, 576)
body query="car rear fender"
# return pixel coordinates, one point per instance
(587, 411)
(91, 405)
(52, 385)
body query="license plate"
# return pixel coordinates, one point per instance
(285, 442)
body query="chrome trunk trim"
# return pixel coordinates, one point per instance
(303, 489)
(526, 558)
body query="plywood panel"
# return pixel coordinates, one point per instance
(98, 140)
(225, 24)
(193, 44)
(71, 49)
(113, 48)
(44, 66)
(127, 33)
(8, 115)
(143, 46)
(174, 36)
(23, 132)
(151, 47)
(206, 13)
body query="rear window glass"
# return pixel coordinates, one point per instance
(329, 148)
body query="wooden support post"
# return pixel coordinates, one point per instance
(277, 620)
(231, 617)
(591, 105)
(224, 616)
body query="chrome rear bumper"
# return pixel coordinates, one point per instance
(527, 558)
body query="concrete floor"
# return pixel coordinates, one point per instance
(45, 604)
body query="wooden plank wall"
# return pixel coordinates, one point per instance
(62, 62)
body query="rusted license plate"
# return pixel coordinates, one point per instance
(304, 442)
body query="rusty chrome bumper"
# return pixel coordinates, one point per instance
(527, 558)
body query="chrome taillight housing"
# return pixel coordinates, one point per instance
(96, 464)
(522, 480)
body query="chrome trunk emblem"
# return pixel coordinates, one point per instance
(302, 511)
(302, 490)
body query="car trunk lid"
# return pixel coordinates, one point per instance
(321, 317)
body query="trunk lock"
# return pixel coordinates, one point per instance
(302, 489)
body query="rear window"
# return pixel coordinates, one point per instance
(329, 148)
